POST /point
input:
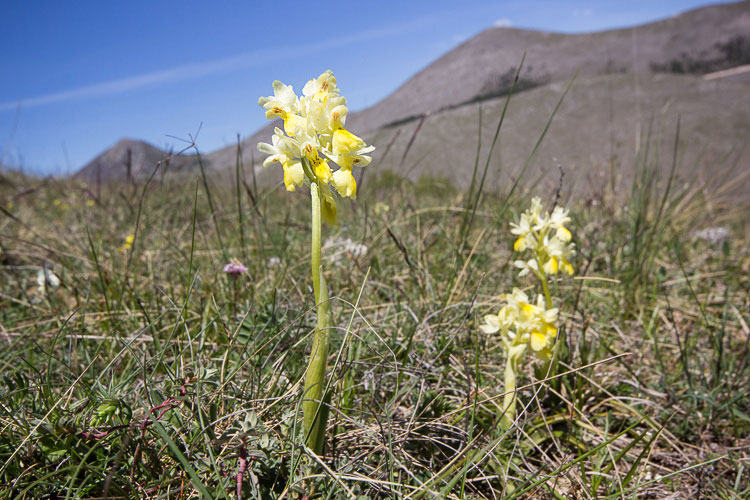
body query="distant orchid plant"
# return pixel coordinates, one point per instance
(312, 138)
(523, 323)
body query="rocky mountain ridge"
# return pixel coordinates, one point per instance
(482, 68)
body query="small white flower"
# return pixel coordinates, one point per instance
(344, 182)
(344, 247)
(354, 248)
(47, 280)
(526, 266)
(283, 150)
(283, 104)
(713, 235)
(557, 221)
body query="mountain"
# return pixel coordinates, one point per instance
(695, 42)
(484, 66)
(625, 78)
(130, 159)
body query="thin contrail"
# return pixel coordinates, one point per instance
(198, 70)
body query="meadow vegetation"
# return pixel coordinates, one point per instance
(149, 372)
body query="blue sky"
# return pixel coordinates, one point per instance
(78, 76)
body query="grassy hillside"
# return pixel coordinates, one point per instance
(150, 373)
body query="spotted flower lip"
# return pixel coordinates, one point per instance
(313, 139)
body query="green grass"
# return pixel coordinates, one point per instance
(149, 373)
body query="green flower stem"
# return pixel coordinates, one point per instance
(543, 278)
(550, 366)
(316, 230)
(545, 288)
(315, 417)
(509, 400)
(513, 354)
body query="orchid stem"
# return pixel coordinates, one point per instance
(314, 416)
(545, 288)
(509, 400)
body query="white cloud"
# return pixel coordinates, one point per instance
(119, 86)
(582, 12)
(503, 22)
(178, 73)
(458, 38)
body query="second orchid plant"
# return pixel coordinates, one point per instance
(523, 323)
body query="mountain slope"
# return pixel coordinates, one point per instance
(704, 39)
(484, 65)
(603, 122)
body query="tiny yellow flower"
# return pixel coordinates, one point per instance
(538, 341)
(129, 239)
(319, 166)
(294, 175)
(349, 150)
(381, 208)
(89, 203)
(563, 234)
